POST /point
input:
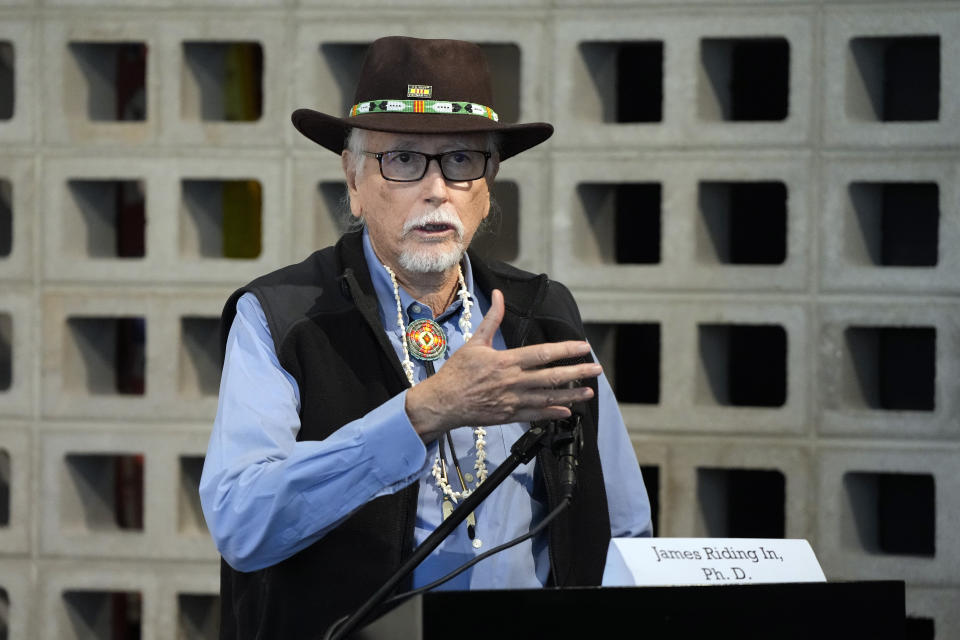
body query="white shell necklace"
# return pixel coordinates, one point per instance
(439, 471)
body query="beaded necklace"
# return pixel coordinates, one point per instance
(439, 470)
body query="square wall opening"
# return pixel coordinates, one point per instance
(630, 355)
(6, 351)
(651, 480)
(618, 223)
(190, 513)
(222, 81)
(499, 236)
(199, 356)
(741, 503)
(6, 218)
(894, 368)
(103, 492)
(106, 218)
(623, 82)
(745, 79)
(5, 476)
(742, 365)
(198, 616)
(894, 79)
(102, 615)
(7, 80)
(898, 223)
(105, 355)
(113, 80)
(743, 222)
(890, 513)
(221, 218)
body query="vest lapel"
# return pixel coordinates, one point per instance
(521, 297)
(355, 276)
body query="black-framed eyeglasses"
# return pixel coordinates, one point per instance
(461, 165)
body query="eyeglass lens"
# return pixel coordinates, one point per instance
(412, 165)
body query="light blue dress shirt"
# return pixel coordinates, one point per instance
(266, 496)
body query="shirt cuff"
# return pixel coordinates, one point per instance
(397, 451)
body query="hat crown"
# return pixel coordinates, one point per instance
(453, 69)
(422, 87)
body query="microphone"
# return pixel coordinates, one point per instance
(566, 444)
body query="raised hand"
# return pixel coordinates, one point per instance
(481, 386)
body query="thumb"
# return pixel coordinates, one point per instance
(491, 321)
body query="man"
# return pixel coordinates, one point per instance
(336, 449)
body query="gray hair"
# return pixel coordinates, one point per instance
(356, 141)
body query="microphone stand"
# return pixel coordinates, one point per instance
(522, 451)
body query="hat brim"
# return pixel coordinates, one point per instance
(331, 133)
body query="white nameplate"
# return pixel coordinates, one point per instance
(708, 561)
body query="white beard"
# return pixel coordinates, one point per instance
(433, 258)
(430, 259)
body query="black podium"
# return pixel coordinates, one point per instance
(815, 611)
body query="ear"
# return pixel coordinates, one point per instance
(356, 206)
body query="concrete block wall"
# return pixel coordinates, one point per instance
(756, 205)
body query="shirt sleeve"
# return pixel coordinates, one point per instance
(266, 496)
(627, 499)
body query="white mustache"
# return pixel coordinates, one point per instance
(437, 216)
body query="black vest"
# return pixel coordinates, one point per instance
(323, 317)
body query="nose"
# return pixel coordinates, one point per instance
(434, 184)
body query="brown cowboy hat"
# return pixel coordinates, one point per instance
(409, 85)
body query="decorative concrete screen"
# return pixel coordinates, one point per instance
(756, 205)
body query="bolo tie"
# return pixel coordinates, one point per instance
(427, 342)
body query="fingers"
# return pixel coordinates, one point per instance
(546, 398)
(539, 355)
(491, 320)
(550, 412)
(555, 377)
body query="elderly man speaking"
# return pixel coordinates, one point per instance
(369, 388)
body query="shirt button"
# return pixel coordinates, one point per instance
(416, 308)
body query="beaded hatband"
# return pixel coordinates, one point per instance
(445, 107)
(439, 472)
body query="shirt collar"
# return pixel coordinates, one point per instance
(383, 287)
